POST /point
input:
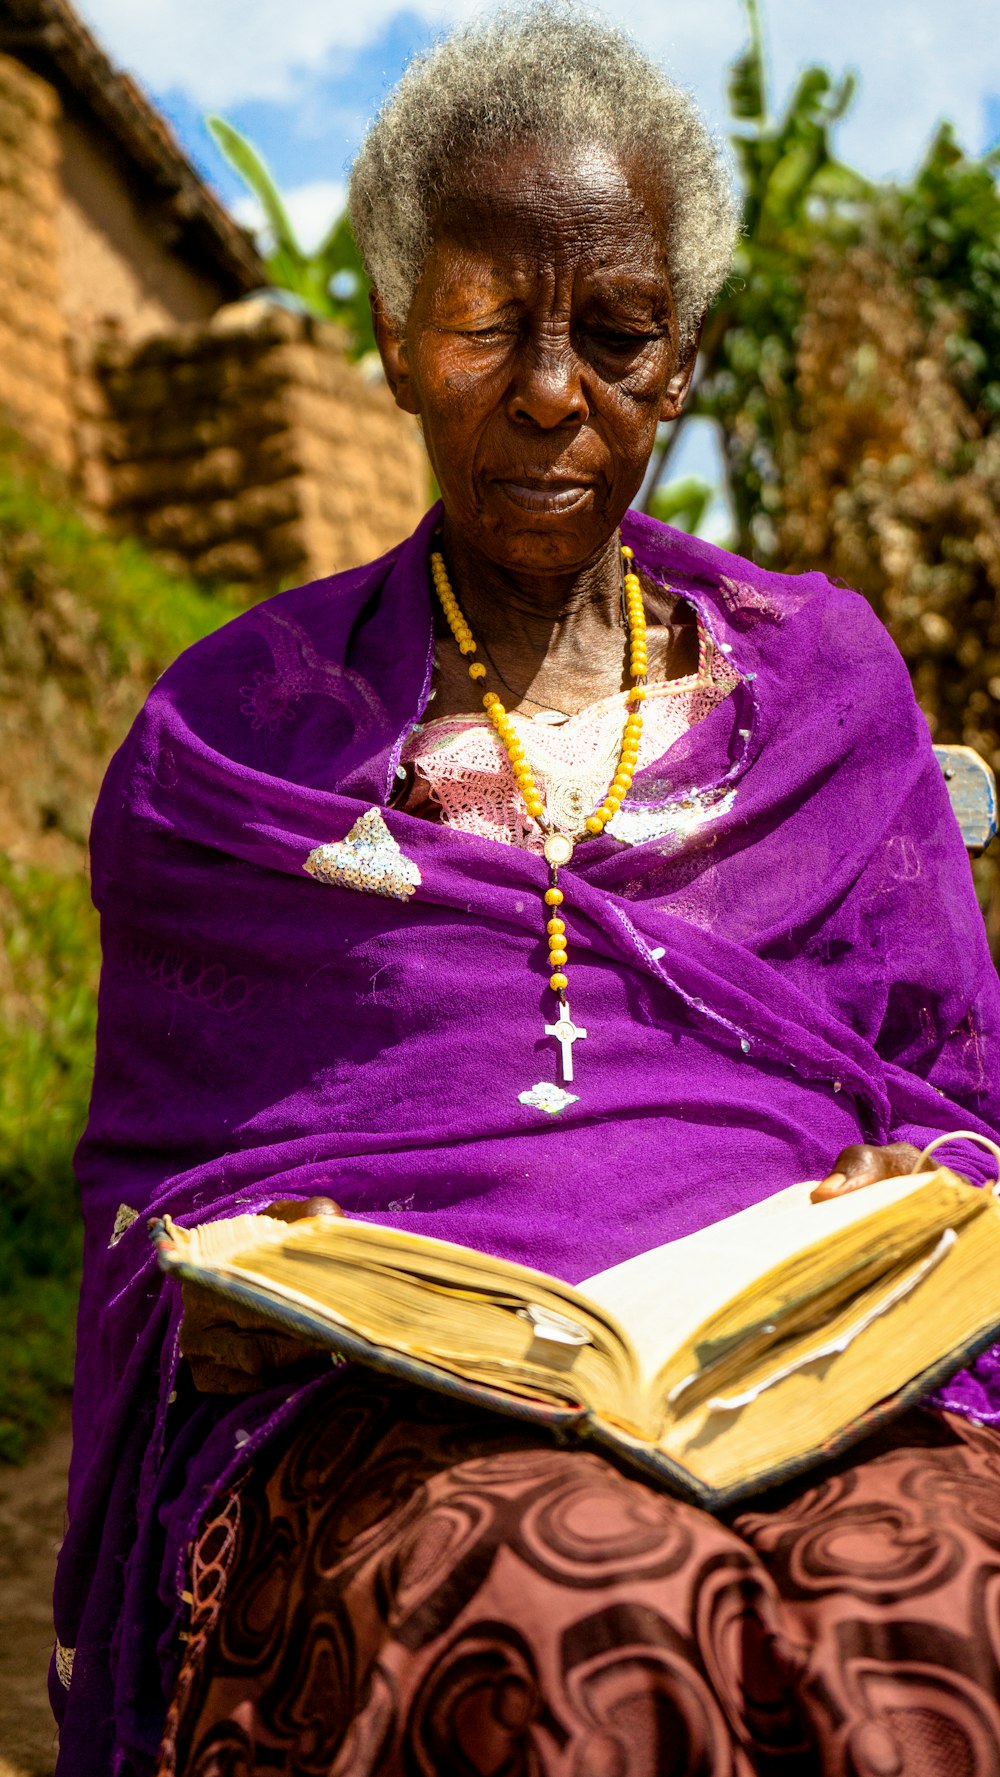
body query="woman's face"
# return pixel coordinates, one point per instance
(541, 351)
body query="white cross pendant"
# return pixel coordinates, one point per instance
(566, 1034)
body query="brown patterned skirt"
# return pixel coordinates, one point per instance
(413, 1590)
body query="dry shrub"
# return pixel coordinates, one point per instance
(892, 487)
(891, 484)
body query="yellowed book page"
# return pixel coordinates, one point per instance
(953, 1303)
(663, 1297)
(466, 1312)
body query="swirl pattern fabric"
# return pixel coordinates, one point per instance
(799, 963)
(416, 1590)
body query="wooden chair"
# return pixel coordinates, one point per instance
(973, 791)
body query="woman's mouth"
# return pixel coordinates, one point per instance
(544, 495)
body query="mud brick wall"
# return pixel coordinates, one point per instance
(250, 450)
(34, 371)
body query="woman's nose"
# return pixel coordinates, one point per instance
(547, 387)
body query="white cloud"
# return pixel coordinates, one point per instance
(220, 52)
(919, 61)
(311, 209)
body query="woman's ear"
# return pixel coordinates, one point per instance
(679, 386)
(391, 342)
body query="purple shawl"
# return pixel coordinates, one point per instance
(796, 962)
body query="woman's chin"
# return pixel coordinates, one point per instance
(529, 535)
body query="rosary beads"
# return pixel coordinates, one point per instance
(558, 847)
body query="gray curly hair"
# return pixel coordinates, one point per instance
(547, 72)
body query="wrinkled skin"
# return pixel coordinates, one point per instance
(541, 352)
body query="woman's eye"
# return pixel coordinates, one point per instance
(621, 339)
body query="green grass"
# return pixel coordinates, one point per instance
(86, 624)
(144, 615)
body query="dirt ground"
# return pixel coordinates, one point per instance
(32, 1502)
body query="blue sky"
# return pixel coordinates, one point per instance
(302, 76)
(308, 138)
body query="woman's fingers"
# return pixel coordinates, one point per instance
(854, 1167)
(864, 1164)
(230, 1348)
(233, 1360)
(211, 1377)
(295, 1209)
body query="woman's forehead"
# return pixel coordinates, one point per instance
(531, 205)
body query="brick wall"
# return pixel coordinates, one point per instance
(245, 448)
(249, 450)
(34, 372)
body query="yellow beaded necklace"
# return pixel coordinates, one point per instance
(558, 847)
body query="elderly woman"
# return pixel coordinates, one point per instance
(557, 884)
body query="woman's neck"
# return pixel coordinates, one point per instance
(502, 600)
(552, 642)
(555, 641)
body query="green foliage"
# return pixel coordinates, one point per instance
(795, 193)
(942, 230)
(747, 76)
(50, 939)
(682, 503)
(37, 1317)
(945, 228)
(46, 1047)
(329, 283)
(245, 160)
(140, 615)
(86, 624)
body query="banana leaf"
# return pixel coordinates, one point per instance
(244, 159)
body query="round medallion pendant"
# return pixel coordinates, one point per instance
(558, 849)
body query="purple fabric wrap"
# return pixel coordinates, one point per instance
(807, 969)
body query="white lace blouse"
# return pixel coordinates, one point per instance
(461, 773)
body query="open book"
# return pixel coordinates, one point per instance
(718, 1363)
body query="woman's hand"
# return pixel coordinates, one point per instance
(860, 1165)
(231, 1349)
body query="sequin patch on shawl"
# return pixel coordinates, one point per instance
(675, 821)
(367, 859)
(123, 1222)
(466, 769)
